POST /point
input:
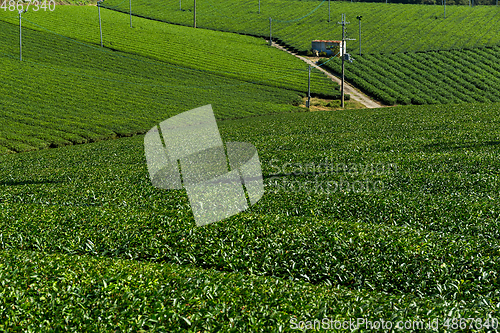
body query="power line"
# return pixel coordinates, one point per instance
(289, 72)
(303, 17)
(158, 63)
(262, 82)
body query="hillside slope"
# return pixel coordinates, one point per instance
(385, 213)
(427, 77)
(230, 55)
(386, 28)
(68, 91)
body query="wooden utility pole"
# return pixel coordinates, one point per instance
(343, 54)
(359, 18)
(328, 11)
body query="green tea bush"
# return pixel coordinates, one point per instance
(429, 235)
(243, 58)
(386, 28)
(75, 98)
(83, 293)
(426, 78)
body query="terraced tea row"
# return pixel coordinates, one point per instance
(427, 78)
(67, 92)
(66, 292)
(386, 28)
(238, 57)
(429, 228)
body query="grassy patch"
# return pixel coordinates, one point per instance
(319, 104)
(208, 52)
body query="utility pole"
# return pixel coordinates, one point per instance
(100, 25)
(130, 8)
(308, 104)
(328, 11)
(359, 18)
(343, 54)
(20, 38)
(194, 23)
(444, 8)
(270, 32)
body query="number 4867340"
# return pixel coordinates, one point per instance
(34, 4)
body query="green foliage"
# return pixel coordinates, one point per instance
(427, 78)
(386, 28)
(88, 244)
(334, 104)
(428, 240)
(83, 293)
(68, 92)
(336, 50)
(238, 57)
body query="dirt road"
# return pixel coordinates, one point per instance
(348, 89)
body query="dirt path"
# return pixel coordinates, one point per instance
(348, 89)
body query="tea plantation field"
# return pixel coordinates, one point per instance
(68, 91)
(387, 28)
(386, 213)
(410, 53)
(427, 77)
(241, 57)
